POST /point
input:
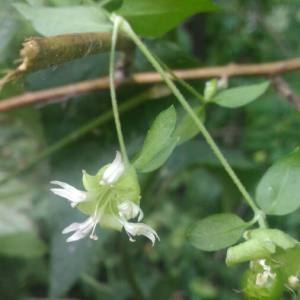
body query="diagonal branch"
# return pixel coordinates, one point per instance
(43, 52)
(230, 70)
(284, 90)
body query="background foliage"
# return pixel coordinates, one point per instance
(34, 257)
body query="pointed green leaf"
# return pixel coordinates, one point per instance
(217, 232)
(50, 21)
(278, 192)
(159, 142)
(161, 156)
(186, 128)
(240, 96)
(69, 261)
(154, 18)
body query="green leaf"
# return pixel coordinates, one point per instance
(50, 21)
(279, 238)
(240, 96)
(186, 128)
(155, 18)
(8, 26)
(217, 232)
(159, 142)
(278, 192)
(161, 156)
(69, 261)
(22, 244)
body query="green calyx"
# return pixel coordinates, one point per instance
(103, 199)
(260, 243)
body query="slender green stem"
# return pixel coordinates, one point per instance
(113, 89)
(183, 83)
(79, 133)
(188, 87)
(127, 29)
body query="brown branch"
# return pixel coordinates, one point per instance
(284, 90)
(264, 69)
(52, 94)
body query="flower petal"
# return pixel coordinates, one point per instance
(114, 171)
(134, 229)
(130, 210)
(72, 227)
(69, 192)
(81, 229)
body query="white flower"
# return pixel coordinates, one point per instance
(130, 210)
(264, 277)
(108, 204)
(114, 171)
(82, 229)
(293, 281)
(69, 192)
(134, 229)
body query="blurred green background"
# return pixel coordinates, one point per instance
(35, 260)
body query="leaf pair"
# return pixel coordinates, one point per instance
(278, 193)
(163, 137)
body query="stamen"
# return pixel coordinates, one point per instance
(93, 236)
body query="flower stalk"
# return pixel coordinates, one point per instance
(113, 90)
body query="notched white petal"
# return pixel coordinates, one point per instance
(81, 230)
(71, 227)
(130, 210)
(69, 192)
(114, 171)
(136, 229)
